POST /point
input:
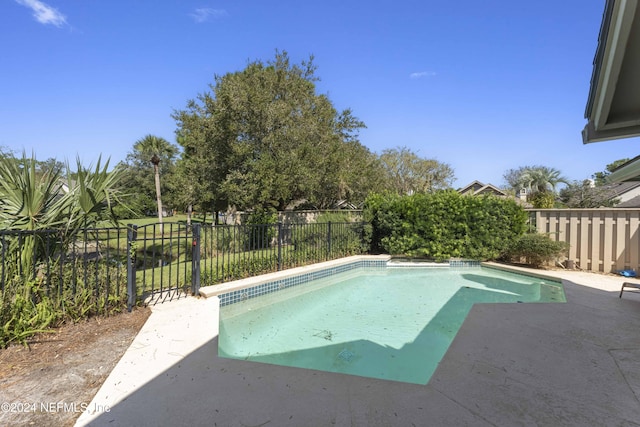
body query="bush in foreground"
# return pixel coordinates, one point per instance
(535, 249)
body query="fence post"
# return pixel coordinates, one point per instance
(280, 239)
(195, 260)
(132, 235)
(329, 240)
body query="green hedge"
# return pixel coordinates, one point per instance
(442, 225)
(535, 249)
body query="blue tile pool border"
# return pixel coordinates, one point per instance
(244, 294)
(464, 263)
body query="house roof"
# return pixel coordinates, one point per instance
(477, 187)
(471, 186)
(631, 203)
(619, 189)
(613, 105)
(629, 171)
(489, 188)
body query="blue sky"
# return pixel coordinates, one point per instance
(483, 86)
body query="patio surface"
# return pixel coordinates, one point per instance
(573, 364)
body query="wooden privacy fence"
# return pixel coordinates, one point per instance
(603, 239)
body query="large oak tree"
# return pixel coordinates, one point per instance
(263, 138)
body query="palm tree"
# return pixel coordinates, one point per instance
(540, 183)
(541, 179)
(33, 200)
(153, 148)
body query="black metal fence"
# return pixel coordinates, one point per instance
(110, 267)
(83, 275)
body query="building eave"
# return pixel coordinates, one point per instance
(630, 171)
(613, 105)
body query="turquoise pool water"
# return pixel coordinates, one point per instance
(393, 323)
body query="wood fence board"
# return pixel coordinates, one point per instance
(606, 239)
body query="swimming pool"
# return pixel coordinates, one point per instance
(388, 323)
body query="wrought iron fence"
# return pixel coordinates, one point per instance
(84, 274)
(235, 252)
(107, 268)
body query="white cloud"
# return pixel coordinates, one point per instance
(205, 14)
(422, 74)
(44, 13)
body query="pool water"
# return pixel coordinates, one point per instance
(394, 323)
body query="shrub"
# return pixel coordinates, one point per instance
(259, 230)
(69, 292)
(220, 237)
(325, 217)
(542, 200)
(25, 314)
(345, 237)
(442, 225)
(536, 249)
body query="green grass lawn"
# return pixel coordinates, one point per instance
(179, 218)
(164, 259)
(221, 267)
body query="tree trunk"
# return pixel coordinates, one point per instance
(158, 196)
(189, 212)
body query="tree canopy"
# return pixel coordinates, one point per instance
(263, 137)
(540, 179)
(585, 194)
(594, 193)
(600, 178)
(540, 182)
(407, 173)
(152, 149)
(150, 156)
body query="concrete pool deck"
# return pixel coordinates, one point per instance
(554, 364)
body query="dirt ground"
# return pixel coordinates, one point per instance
(55, 378)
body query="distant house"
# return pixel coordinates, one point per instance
(628, 193)
(477, 188)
